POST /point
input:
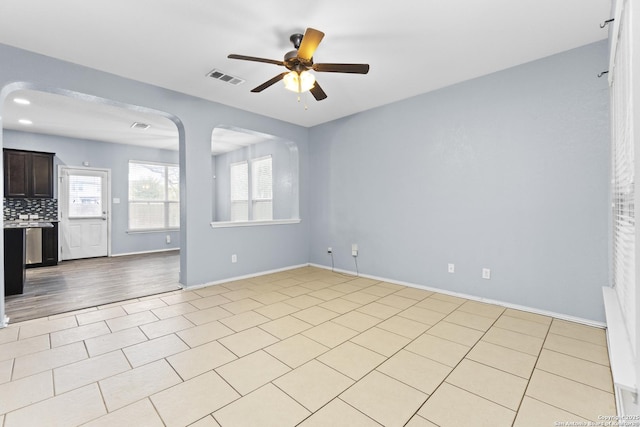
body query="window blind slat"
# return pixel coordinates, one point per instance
(623, 188)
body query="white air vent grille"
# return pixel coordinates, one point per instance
(138, 125)
(219, 75)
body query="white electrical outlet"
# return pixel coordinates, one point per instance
(234, 258)
(329, 250)
(451, 268)
(168, 239)
(354, 249)
(486, 273)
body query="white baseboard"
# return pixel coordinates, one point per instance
(560, 316)
(146, 252)
(246, 276)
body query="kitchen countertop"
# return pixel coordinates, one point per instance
(29, 224)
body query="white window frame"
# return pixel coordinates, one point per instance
(252, 198)
(622, 299)
(166, 201)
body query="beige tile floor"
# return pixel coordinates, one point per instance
(302, 347)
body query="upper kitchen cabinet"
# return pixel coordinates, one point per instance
(28, 174)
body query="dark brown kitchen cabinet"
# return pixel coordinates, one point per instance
(49, 246)
(28, 174)
(14, 261)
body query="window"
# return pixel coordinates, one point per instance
(262, 188)
(259, 186)
(85, 196)
(623, 180)
(154, 196)
(239, 191)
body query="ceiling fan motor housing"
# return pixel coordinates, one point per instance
(293, 63)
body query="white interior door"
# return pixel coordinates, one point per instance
(84, 213)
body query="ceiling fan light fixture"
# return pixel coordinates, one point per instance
(299, 82)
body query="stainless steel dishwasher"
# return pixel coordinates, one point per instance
(34, 246)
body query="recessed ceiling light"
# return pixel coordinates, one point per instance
(21, 101)
(25, 122)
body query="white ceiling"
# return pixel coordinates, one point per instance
(413, 47)
(55, 114)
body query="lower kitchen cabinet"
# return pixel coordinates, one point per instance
(14, 261)
(50, 245)
(49, 248)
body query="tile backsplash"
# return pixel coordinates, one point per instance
(46, 209)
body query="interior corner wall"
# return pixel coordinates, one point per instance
(509, 171)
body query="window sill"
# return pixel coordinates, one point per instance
(231, 224)
(154, 230)
(623, 366)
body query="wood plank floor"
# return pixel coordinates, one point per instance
(77, 284)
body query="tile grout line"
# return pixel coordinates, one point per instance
(454, 368)
(338, 314)
(389, 357)
(524, 394)
(575, 381)
(319, 361)
(571, 379)
(557, 407)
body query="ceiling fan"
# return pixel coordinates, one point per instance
(299, 62)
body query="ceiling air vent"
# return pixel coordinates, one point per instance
(219, 75)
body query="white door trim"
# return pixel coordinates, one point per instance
(61, 169)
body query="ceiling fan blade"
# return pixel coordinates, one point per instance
(309, 44)
(317, 92)
(253, 58)
(268, 83)
(342, 68)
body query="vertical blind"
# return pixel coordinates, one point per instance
(623, 180)
(154, 196)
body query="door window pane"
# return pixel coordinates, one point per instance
(85, 196)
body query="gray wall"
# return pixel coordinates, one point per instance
(507, 171)
(73, 152)
(205, 254)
